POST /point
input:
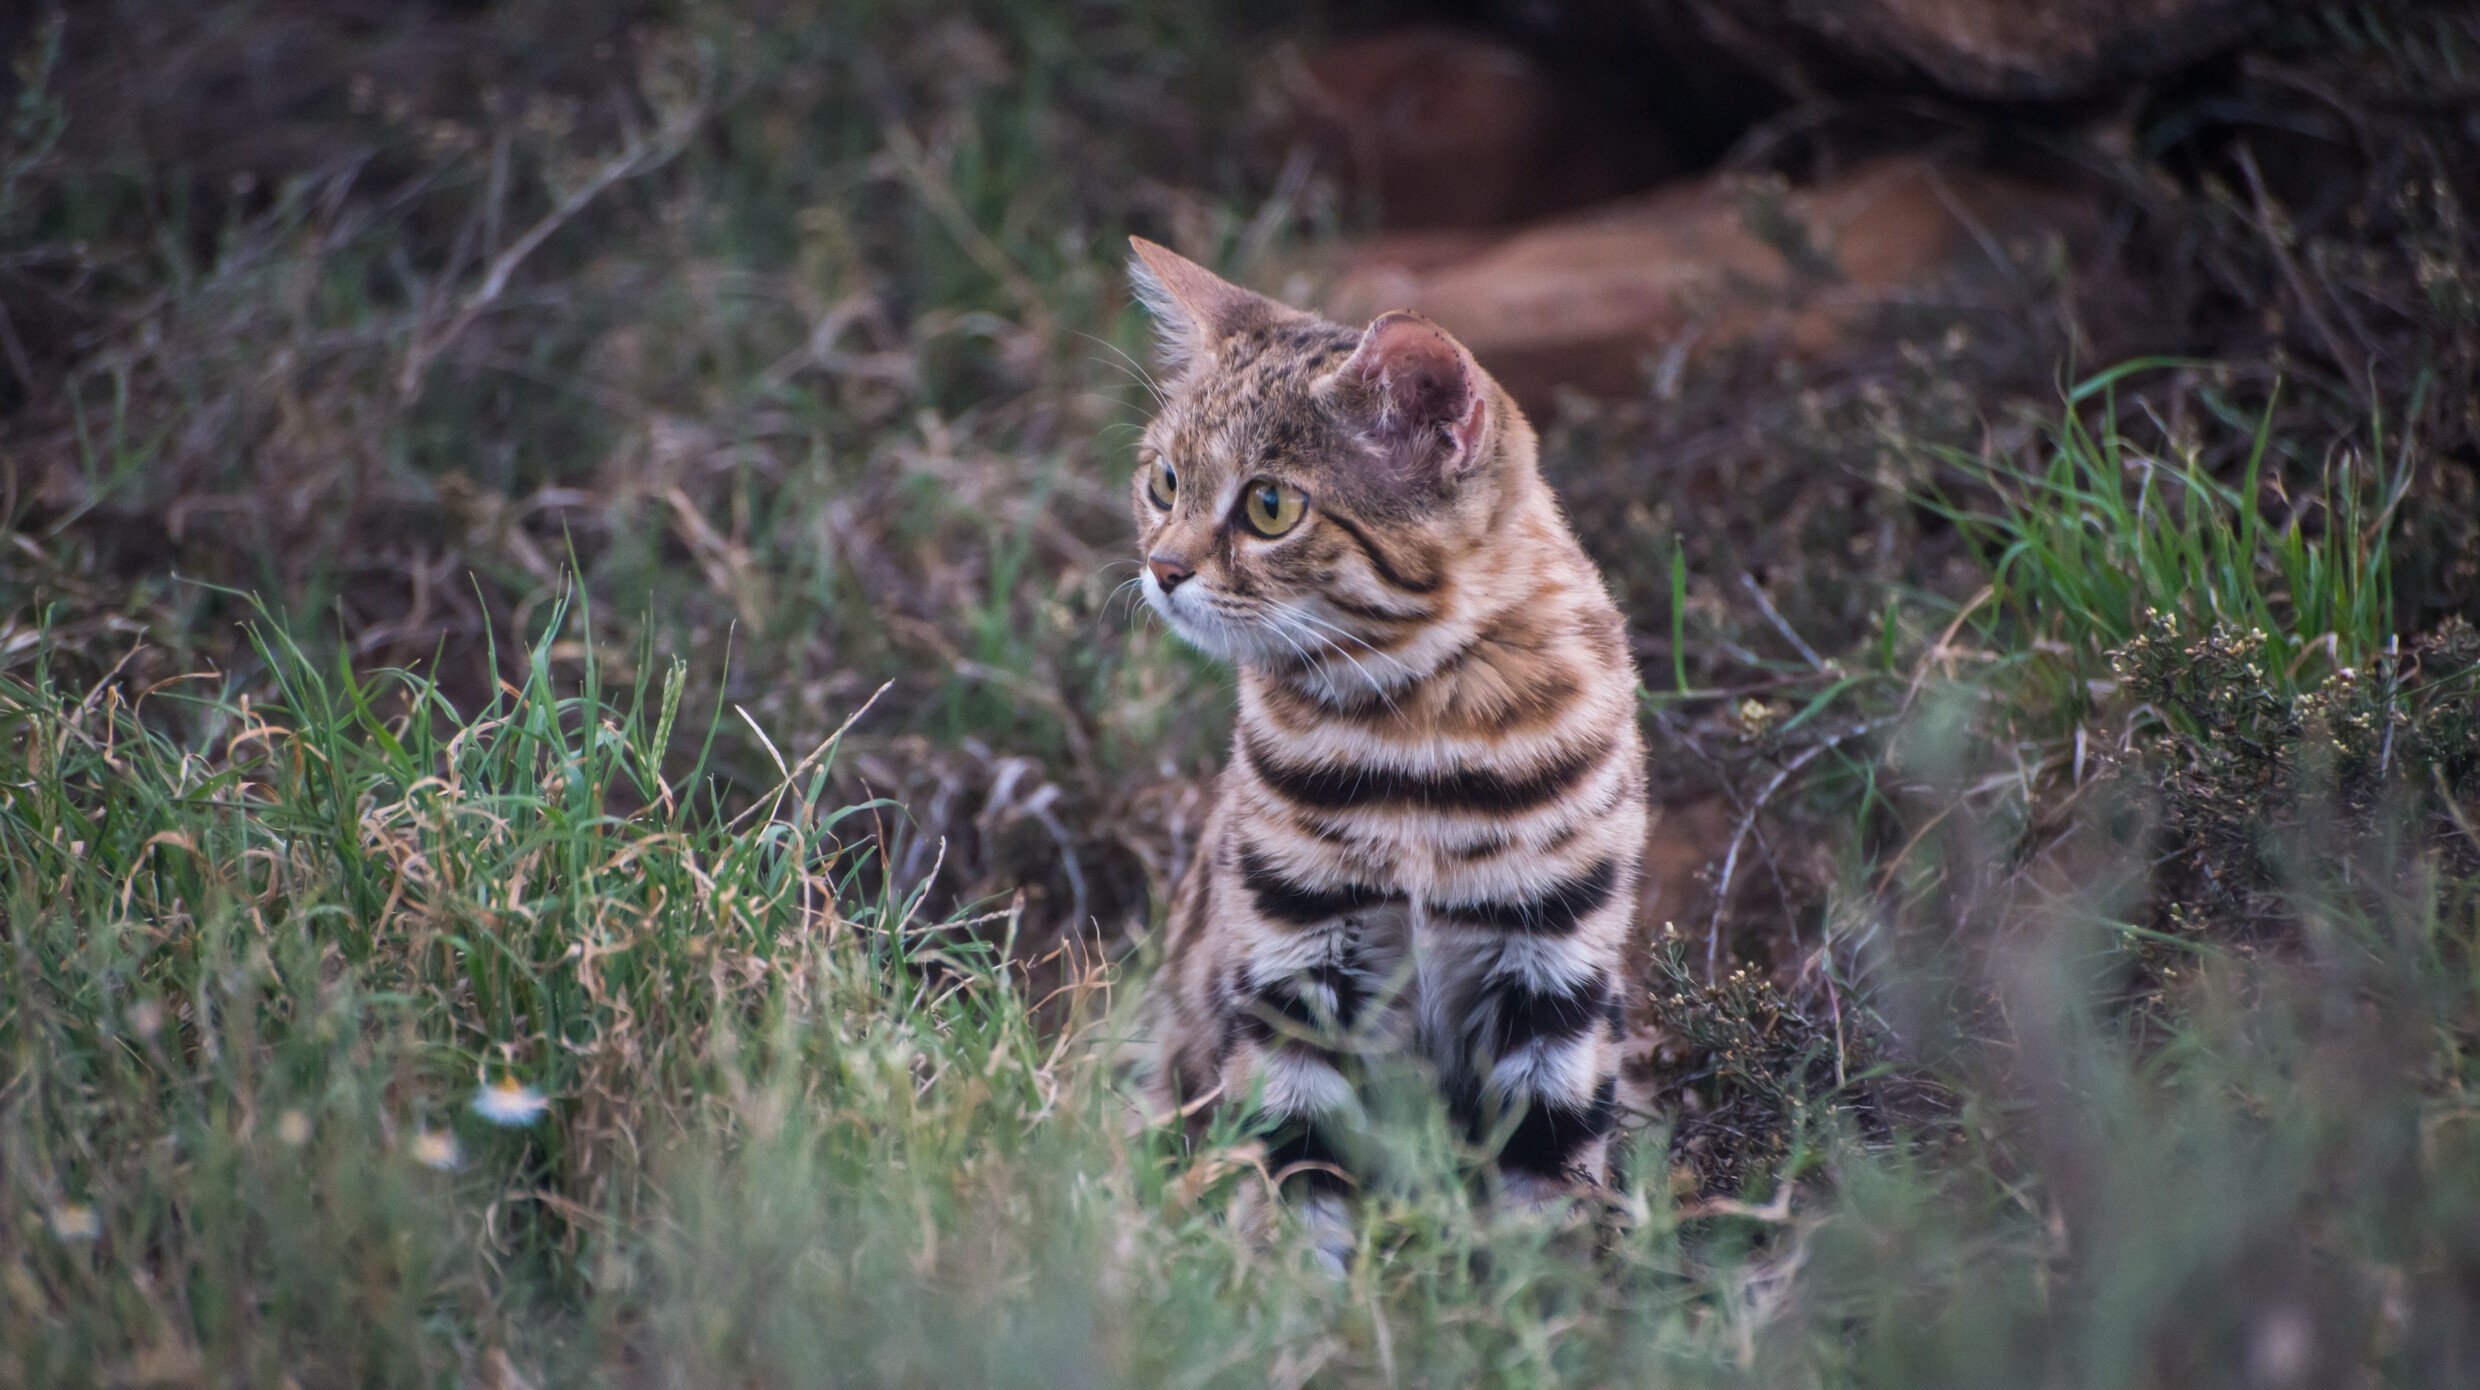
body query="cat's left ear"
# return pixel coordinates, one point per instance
(1424, 393)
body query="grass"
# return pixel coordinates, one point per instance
(796, 1127)
(266, 952)
(2079, 562)
(584, 571)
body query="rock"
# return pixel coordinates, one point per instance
(1598, 300)
(1997, 50)
(1435, 128)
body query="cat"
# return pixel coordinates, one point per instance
(1429, 832)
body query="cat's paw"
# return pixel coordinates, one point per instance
(1329, 1223)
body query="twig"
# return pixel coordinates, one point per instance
(1894, 865)
(1938, 650)
(911, 160)
(1748, 822)
(2259, 66)
(2289, 267)
(2393, 683)
(1276, 212)
(1039, 807)
(1749, 582)
(2454, 808)
(637, 157)
(1735, 692)
(1834, 1002)
(1777, 1211)
(792, 774)
(16, 350)
(1957, 209)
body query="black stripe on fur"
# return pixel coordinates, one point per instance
(1521, 1016)
(1548, 1138)
(1281, 899)
(1380, 561)
(1471, 790)
(1555, 911)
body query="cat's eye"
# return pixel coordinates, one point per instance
(1272, 508)
(1162, 485)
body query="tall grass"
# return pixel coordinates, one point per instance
(263, 967)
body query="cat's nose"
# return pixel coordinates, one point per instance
(1168, 572)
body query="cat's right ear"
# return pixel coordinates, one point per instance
(1193, 308)
(1421, 395)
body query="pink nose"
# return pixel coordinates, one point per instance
(1168, 572)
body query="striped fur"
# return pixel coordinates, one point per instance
(1429, 831)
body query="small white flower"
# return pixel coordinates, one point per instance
(72, 1221)
(436, 1148)
(510, 1102)
(293, 1127)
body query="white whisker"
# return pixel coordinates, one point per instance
(1291, 616)
(1276, 627)
(1324, 625)
(1133, 369)
(1319, 628)
(1104, 613)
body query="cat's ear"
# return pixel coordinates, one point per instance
(1423, 390)
(1194, 308)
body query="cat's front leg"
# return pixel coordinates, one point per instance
(1524, 1027)
(1301, 1000)
(1283, 966)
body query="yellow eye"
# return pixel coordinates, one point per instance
(1163, 485)
(1272, 508)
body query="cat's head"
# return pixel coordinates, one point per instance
(1309, 493)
